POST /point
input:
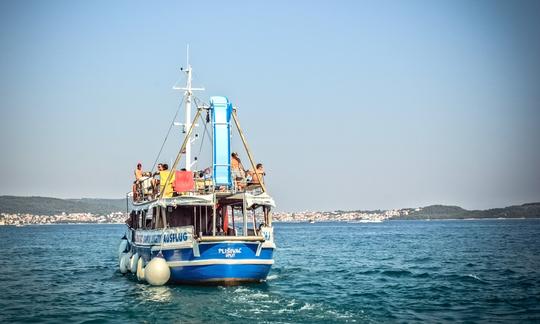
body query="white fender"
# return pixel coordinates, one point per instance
(157, 271)
(122, 247)
(140, 269)
(133, 263)
(124, 262)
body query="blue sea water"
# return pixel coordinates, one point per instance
(398, 271)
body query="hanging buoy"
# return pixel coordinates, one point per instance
(124, 262)
(133, 263)
(122, 247)
(140, 269)
(157, 271)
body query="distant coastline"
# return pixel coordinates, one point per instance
(288, 222)
(433, 212)
(17, 210)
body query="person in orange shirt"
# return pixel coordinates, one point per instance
(138, 175)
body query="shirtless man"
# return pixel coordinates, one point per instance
(238, 173)
(258, 171)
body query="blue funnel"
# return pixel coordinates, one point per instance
(221, 126)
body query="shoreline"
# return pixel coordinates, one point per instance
(307, 222)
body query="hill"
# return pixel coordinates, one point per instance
(54, 206)
(531, 210)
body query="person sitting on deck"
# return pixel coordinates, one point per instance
(203, 180)
(237, 170)
(207, 174)
(258, 171)
(156, 178)
(146, 185)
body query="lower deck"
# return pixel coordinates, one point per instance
(193, 261)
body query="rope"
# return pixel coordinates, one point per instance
(162, 231)
(168, 133)
(202, 142)
(197, 101)
(175, 164)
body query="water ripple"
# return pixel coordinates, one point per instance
(457, 271)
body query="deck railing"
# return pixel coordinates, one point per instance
(149, 189)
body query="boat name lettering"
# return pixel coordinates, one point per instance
(230, 252)
(174, 237)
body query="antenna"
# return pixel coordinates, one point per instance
(187, 55)
(188, 94)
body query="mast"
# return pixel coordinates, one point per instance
(189, 97)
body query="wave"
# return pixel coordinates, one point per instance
(307, 306)
(396, 273)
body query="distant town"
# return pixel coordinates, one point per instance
(119, 217)
(341, 216)
(63, 218)
(20, 211)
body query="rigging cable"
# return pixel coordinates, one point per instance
(168, 133)
(205, 128)
(197, 101)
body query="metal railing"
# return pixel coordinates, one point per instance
(149, 188)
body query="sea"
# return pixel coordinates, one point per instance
(395, 271)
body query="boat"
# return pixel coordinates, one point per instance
(206, 226)
(365, 221)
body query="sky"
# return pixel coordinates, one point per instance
(348, 104)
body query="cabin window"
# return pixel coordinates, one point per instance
(180, 215)
(157, 218)
(250, 223)
(148, 218)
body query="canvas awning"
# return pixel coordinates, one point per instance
(195, 200)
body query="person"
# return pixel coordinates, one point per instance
(205, 180)
(238, 172)
(156, 178)
(207, 174)
(138, 171)
(259, 170)
(159, 168)
(164, 176)
(138, 175)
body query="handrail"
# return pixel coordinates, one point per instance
(251, 238)
(210, 188)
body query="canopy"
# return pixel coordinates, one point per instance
(197, 200)
(262, 199)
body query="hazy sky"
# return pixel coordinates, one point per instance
(350, 105)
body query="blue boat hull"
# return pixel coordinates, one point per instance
(216, 262)
(220, 273)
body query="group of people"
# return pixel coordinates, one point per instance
(243, 178)
(149, 184)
